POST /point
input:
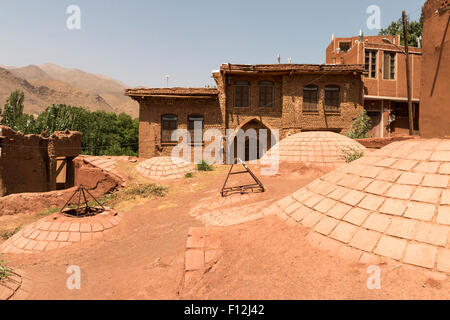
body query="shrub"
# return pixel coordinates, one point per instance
(360, 126)
(145, 191)
(204, 166)
(9, 234)
(4, 271)
(189, 175)
(351, 154)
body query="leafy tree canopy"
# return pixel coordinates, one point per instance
(103, 133)
(396, 28)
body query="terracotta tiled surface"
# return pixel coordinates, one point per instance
(16, 287)
(57, 231)
(317, 147)
(202, 252)
(164, 168)
(402, 213)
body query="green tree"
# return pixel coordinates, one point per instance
(102, 133)
(13, 116)
(360, 126)
(396, 28)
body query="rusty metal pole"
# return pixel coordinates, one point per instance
(408, 75)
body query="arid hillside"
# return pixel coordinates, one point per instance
(48, 83)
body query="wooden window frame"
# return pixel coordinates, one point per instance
(266, 85)
(240, 85)
(191, 129)
(310, 107)
(371, 66)
(390, 71)
(334, 106)
(163, 129)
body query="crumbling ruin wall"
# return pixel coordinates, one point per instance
(96, 180)
(23, 162)
(435, 96)
(28, 162)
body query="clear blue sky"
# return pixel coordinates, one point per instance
(139, 41)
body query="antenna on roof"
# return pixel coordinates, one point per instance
(361, 35)
(167, 80)
(279, 58)
(289, 60)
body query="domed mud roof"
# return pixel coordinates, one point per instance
(164, 168)
(322, 148)
(394, 203)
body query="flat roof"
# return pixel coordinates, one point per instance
(298, 68)
(171, 92)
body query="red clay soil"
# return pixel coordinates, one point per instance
(378, 143)
(266, 259)
(144, 257)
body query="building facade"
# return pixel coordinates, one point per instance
(385, 82)
(288, 97)
(435, 105)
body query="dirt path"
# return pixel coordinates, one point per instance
(143, 258)
(266, 259)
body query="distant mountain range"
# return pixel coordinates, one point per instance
(49, 84)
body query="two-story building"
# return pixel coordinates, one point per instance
(385, 82)
(288, 97)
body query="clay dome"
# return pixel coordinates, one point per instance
(164, 168)
(393, 203)
(322, 148)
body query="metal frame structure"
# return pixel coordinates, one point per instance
(86, 210)
(242, 189)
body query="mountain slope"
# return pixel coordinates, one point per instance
(50, 83)
(40, 94)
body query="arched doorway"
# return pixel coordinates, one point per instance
(254, 147)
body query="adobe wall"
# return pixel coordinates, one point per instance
(23, 163)
(96, 180)
(270, 116)
(295, 120)
(28, 162)
(435, 105)
(287, 114)
(151, 110)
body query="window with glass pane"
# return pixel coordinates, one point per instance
(242, 94)
(310, 98)
(169, 123)
(196, 123)
(266, 94)
(332, 99)
(371, 63)
(389, 66)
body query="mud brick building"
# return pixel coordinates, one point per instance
(288, 97)
(435, 104)
(385, 90)
(32, 163)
